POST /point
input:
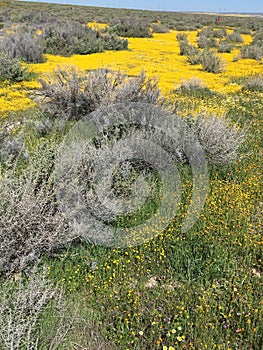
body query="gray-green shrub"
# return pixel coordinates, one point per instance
(220, 139)
(252, 51)
(71, 94)
(131, 27)
(11, 69)
(211, 62)
(30, 223)
(253, 83)
(70, 37)
(23, 45)
(225, 46)
(234, 37)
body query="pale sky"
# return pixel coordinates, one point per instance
(173, 5)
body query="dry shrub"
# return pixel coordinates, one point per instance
(211, 62)
(220, 139)
(252, 51)
(70, 37)
(71, 94)
(195, 87)
(206, 38)
(253, 83)
(235, 37)
(12, 143)
(224, 46)
(11, 69)
(29, 221)
(21, 305)
(22, 45)
(159, 28)
(131, 27)
(258, 38)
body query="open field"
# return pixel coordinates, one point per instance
(162, 288)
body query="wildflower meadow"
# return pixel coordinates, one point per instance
(146, 127)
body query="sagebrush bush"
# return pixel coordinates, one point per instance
(252, 51)
(23, 45)
(206, 38)
(159, 28)
(211, 62)
(234, 37)
(225, 46)
(11, 69)
(219, 33)
(21, 305)
(194, 55)
(70, 94)
(12, 147)
(71, 37)
(29, 221)
(131, 27)
(205, 42)
(184, 48)
(186, 25)
(244, 29)
(194, 87)
(220, 139)
(182, 37)
(258, 38)
(253, 83)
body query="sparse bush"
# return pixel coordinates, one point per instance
(253, 83)
(234, 37)
(224, 46)
(21, 305)
(252, 51)
(113, 43)
(184, 48)
(11, 69)
(194, 55)
(29, 222)
(188, 50)
(71, 94)
(131, 27)
(194, 87)
(258, 38)
(205, 42)
(182, 37)
(211, 62)
(244, 29)
(22, 45)
(12, 147)
(73, 38)
(206, 39)
(220, 140)
(219, 33)
(159, 28)
(186, 25)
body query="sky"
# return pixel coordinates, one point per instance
(173, 5)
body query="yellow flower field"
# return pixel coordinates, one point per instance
(158, 56)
